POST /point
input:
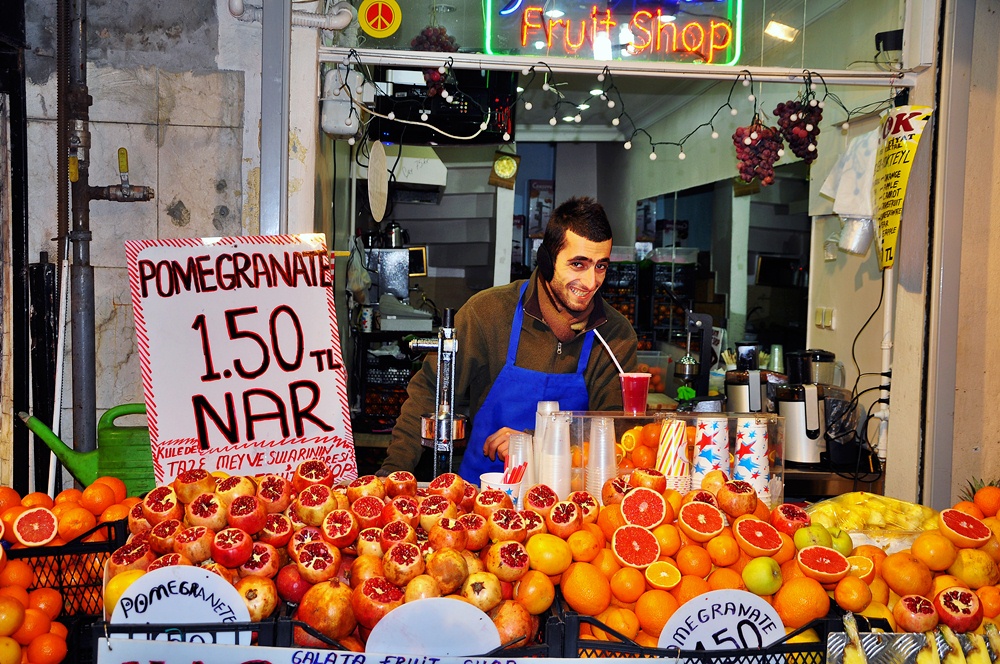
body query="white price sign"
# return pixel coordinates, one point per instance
(240, 354)
(723, 620)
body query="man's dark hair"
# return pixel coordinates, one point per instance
(584, 216)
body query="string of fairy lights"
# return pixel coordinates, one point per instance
(812, 95)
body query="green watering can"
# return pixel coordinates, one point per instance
(122, 452)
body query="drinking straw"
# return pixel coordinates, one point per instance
(608, 348)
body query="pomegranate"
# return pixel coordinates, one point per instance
(137, 522)
(736, 498)
(370, 542)
(206, 510)
(649, 478)
(194, 543)
(313, 503)
(318, 561)
(540, 498)
(231, 547)
(468, 498)
(449, 485)
(534, 523)
(192, 483)
(168, 560)
(277, 530)
(326, 607)
(291, 585)
(400, 483)
(247, 513)
(302, 536)
(421, 587)
(490, 500)
(161, 537)
(589, 507)
(339, 528)
(515, 624)
(402, 562)
(447, 532)
(340, 495)
(700, 495)
(230, 575)
(264, 560)
(504, 525)
(401, 508)
(564, 519)
(473, 561)
(788, 518)
(397, 531)
(508, 560)
(959, 608)
(449, 568)
(311, 471)
(373, 599)
(161, 504)
(275, 492)
(477, 535)
(615, 488)
(482, 590)
(368, 510)
(915, 613)
(433, 507)
(364, 567)
(260, 594)
(233, 486)
(365, 485)
(134, 554)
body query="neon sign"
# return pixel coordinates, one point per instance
(710, 37)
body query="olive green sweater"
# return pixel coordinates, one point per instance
(482, 327)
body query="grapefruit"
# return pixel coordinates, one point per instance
(701, 521)
(644, 507)
(822, 563)
(635, 546)
(964, 530)
(36, 526)
(757, 538)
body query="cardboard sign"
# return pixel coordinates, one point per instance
(722, 620)
(240, 355)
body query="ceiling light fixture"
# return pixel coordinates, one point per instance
(781, 31)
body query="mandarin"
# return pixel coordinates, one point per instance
(644, 457)
(70, 495)
(872, 553)
(787, 550)
(800, 601)
(47, 648)
(58, 628)
(653, 609)
(116, 512)
(989, 597)
(723, 550)
(606, 562)
(584, 546)
(650, 436)
(18, 593)
(535, 592)
(8, 498)
(970, 508)
(623, 621)
(11, 615)
(609, 519)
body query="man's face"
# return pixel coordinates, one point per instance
(580, 269)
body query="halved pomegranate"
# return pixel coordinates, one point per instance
(231, 547)
(959, 608)
(275, 492)
(788, 518)
(615, 488)
(206, 510)
(589, 507)
(401, 508)
(192, 483)
(227, 573)
(369, 542)
(339, 528)
(247, 513)
(477, 534)
(313, 503)
(534, 523)
(161, 504)
(368, 511)
(195, 543)
(447, 532)
(699, 496)
(364, 567)
(396, 531)
(540, 498)
(504, 525)
(449, 485)
(168, 560)
(564, 519)
(915, 613)
(311, 471)
(402, 562)
(736, 498)
(302, 536)
(134, 554)
(649, 478)
(318, 561)
(365, 485)
(137, 522)
(468, 498)
(508, 560)
(233, 486)
(490, 500)
(277, 530)
(400, 483)
(161, 537)
(373, 599)
(432, 508)
(264, 561)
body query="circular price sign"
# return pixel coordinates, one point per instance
(380, 18)
(723, 620)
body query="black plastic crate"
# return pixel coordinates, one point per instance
(76, 569)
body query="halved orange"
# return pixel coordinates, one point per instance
(862, 567)
(662, 575)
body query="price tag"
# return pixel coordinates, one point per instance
(723, 620)
(240, 354)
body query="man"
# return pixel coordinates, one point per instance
(529, 341)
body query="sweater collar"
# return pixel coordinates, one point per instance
(533, 308)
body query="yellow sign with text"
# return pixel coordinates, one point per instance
(900, 131)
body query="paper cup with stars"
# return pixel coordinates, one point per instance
(711, 448)
(750, 459)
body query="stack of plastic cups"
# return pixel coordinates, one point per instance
(751, 463)
(520, 450)
(554, 456)
(542, 411)
(601, 465)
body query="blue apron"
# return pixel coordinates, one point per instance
(513, 399)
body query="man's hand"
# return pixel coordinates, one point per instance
(496, 445)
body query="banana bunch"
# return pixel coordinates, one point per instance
(860, 510)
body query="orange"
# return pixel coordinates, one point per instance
(989, 597)
(609, 519)
(934, 550)
(627, 584)
(98, 497)
(650, 436)
(48, 648)
(584, 546)
(791, 570)
(725, 578)
(61, 508)
(11, 615)
(872, 553)
(17, 592)
(694, 560)
(852, 594)
(71, 495)
(37, 499)
(880, 590)
(689, 587)
(623, 621)
(17, 573)
(646, 640)
(862, 567)
(58, 628)
(548, 554)
(117, 485)
(626, 464)
(787, 550)
(47, 600)
(596, 530)
(668, 537)
(663, 575)
(585, 589)
(76, 522)
(8, 498)
(987, 500)
(606, 562)
(535, 592)
(674, 498)
(723, 550)
(131, 501)
(800, 601)
(762, 511)
(35, 624)
(116, 512)
(906, 575)
(644, 457)
(970, 508)
(654, 609)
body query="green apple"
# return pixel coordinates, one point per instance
(842, 541)
(762, 576)
(812, 535)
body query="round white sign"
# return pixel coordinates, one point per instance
(438, 626)
(722, 620)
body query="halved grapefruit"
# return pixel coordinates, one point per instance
(862, 568)
(964, 530)
(36, 526)
(635, 546)
(701, 521)
(644, 507)
(757, 538)
(662, 575)
(822, 563)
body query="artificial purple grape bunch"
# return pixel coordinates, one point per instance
(799, 123)
(434, 38)
(757, 148)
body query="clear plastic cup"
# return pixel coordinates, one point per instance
(601, 464)
(520, 451)
(635, 390)
(554, 455)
